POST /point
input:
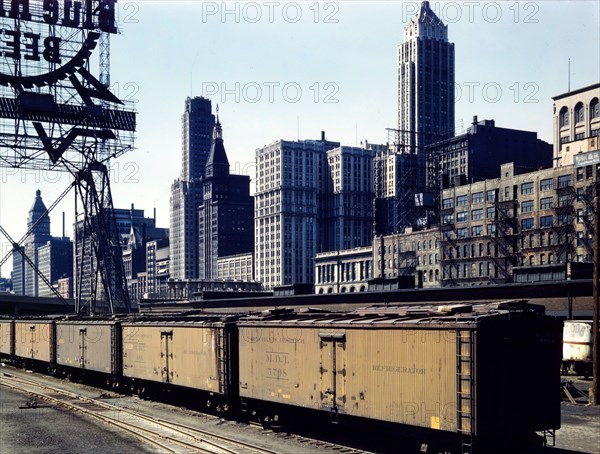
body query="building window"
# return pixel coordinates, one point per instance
(463, 216)
(564, 181)
(490, 196)
(448, 219)
(527, 224)
(564, 117)
(461, 200)
(594, 109)
(477, 214)
(546, 221)
(491, 229)
(580, 215)
(447, 203)
(477, 197)
(546, 184)
(527, 188)
(527, 206)
(462, 232)
(564, 219)
(564, 200)
(477, 230)
(579, 110)
(546, 203)
(491, 213)
(580, 136)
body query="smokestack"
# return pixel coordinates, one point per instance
(322, 136)
(474, 119)
(155, 213)
(63, 225)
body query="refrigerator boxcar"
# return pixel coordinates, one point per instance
(88, 346)
(7, 346)
(457, 369)
(193, 353)
(34, 340)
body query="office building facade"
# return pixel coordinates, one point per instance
(287, 203)
(348, 191)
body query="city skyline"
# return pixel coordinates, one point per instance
(361, 68)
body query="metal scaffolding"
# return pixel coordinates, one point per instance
(55, 115)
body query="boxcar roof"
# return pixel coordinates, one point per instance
(379, 316)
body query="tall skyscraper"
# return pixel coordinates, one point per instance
(287, 205)
(425, 81)
(197, 123)
(186, 192)
(425, 115)
(226, 214)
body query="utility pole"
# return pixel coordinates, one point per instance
(594, 391)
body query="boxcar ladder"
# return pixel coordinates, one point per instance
(465, 387)
(221, 359)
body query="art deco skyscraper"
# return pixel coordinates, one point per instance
(425, 82)
(425, 115)
(186, 192)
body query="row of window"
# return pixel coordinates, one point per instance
(545, 221)
(563, 181)
(579, 113)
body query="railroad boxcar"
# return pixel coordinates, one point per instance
(88, 347)
(577, 347)
(190, 353)
(454, 369)
(34, 341)
(7, 345)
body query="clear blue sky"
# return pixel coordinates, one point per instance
(289, 70)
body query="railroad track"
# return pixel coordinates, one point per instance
(166, 435)
(319, 444)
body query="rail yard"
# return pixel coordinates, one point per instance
(444, 374)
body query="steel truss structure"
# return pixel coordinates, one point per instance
(56, 115)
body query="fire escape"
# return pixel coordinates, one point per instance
(587, 198)
(505, 240)
(564, 213)
(448, 245)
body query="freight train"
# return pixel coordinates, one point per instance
(449, 371)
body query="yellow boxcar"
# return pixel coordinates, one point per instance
(194, 354)
(452, 368)
(6, 337)
(405, 376)
(87, 345)
(34, 339)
